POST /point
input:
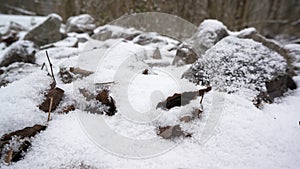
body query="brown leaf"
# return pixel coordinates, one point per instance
(57, 95)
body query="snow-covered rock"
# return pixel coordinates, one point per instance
(15, 72)
(80, 24)
(271, 44)
(21, 51)
(67, 42)
(114, 32)
(46, 32)
(209, 32)
(235, 64)
(184, 55)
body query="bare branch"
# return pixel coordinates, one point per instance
(52, 74)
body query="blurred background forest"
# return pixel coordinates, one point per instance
(272, 18)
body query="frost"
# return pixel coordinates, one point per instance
(235, 64)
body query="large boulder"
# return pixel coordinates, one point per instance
(21, 51)
(81, 24)
(209, 32)
(46, 32)
(242, 65)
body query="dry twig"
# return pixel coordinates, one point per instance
(50, 107)
(52, 74)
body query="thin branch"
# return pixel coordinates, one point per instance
(52, 74)
(43, 66)
(50, 107)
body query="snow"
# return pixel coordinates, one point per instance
(244, 32)
(26, 21)
(113, 60)
(245, 137)
(231, 133)
(67, 42)
(116, 30)
(80, 23)
(54, 15)
(211, 25)
(81, 19)
(19, 101)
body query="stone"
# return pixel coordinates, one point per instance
(184, 55)
(87, 94)
(279, 85)
(170, 132)
(238, 65)
(65, 75)
(275, 88)
(10, 37)
(114, 32)
(186, 119)
(67, 42)
(157, 54)
(16, 27)
(209, 32)
(195, 114)
(145, 39)
(84, 23)
(47, 32)
(21, 51)
(69, 74)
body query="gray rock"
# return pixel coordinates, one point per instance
(208, 34)
(170, 132)
(276, 87)
(114, 32)
(157, 54)
(21, 51)
(184, 56)
(235, 65)
(16, 27)
(47, 32)
(81, 24)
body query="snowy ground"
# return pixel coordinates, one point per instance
(244, 136)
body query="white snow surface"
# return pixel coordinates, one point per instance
(26, 21)
(243, 136)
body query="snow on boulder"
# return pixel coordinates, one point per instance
(80, 24)
(67, 42)
(235, 64)
(46, 32)
(209, 32)
(114, 32)
(21, 51)
(271, 44)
